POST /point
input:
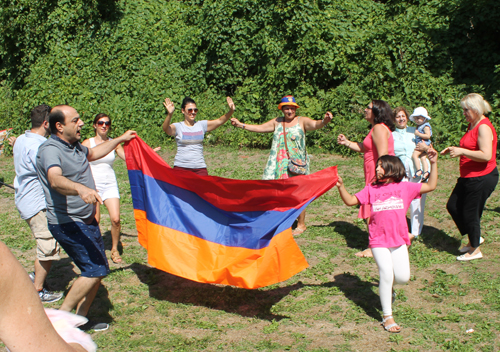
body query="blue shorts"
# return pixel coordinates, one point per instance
(84, 245)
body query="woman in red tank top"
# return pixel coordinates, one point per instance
(478, 173)
(378, 142)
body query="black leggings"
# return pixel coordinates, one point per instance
(467, 202)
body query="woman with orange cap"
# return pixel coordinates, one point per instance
(295, 128)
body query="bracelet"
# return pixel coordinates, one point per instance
(349, 146)
(243, 126)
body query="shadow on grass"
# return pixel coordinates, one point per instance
(354, 236)
(497, 209)
(106, 236)
(59, 279)
(359, 292)
(247, 303)
(439, 240)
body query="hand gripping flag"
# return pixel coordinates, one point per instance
(217, 230)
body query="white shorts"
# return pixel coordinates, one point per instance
(107, 190)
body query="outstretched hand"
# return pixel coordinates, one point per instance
(235, 122)
(453, 151)
(328, 117)
(340, 182)
(230, 102)
(342, 140)
(432, 155)
(169, 106)
(128, 135)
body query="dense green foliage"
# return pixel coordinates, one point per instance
(125, 57)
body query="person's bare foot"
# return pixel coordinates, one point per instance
(298, 230)
(367, 253)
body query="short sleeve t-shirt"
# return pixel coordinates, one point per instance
(30, 198)
(190, 145)
(72, 159)
(389, 204)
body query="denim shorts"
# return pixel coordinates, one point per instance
(84, 245)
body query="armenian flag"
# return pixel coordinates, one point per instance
(217, 230)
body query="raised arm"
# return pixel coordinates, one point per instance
(167, 127)
(348, 199)
(431, 185)
(66, 187)
(105, 148)
(311, 125)
(266, 127)
(484, 141)
(213, 124)
(355, 146)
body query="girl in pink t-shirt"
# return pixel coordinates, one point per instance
(389, 199)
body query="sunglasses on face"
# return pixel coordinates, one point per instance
(107, 123)
(190, 111)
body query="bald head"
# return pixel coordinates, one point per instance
(64, 122)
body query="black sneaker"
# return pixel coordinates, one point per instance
(92, 325)
(47, 296)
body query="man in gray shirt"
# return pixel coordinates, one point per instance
(64, 171)
(30, 200)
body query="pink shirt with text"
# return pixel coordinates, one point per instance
(389, 204)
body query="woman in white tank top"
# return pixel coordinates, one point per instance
(105, 181)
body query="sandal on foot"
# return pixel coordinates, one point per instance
(115, 256)
(297, 231)
(390, 326)
(367, 253)
(425, 176)
(418, 173)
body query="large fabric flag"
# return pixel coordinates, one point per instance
(216, 230)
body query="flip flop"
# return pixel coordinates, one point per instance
(115, 256)
(297, 231)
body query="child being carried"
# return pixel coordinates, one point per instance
(423, 133)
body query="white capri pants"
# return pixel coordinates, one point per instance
(393, 268)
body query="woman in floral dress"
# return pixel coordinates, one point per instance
(295, 127)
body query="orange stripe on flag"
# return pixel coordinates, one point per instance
(195, 259)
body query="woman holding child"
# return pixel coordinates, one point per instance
(404, 148)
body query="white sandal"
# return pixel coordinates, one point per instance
(390, 325)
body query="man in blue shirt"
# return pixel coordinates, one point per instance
(30, 200)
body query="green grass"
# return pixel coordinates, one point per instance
(331, 306)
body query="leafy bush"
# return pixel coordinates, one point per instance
(124, 58)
